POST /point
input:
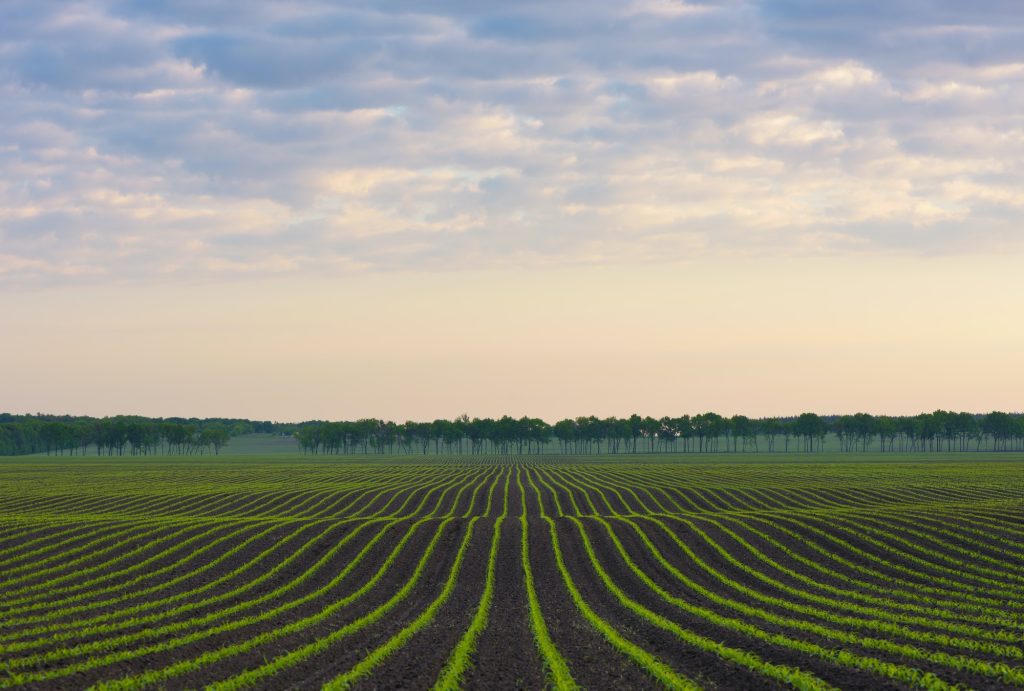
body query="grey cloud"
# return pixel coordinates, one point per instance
(269, 62)
(187, 137)
(897, 35)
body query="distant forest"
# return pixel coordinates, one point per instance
(121, 435)
(941, 431)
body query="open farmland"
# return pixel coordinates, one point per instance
(509, 572)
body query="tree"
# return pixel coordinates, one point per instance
(214, 437)
(1000, 426)
(742, 428)
(811, 428)
(770, 428)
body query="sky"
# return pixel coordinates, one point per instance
(411, 210)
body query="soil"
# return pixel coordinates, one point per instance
(506, 655)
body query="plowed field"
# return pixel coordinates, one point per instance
(506, 573)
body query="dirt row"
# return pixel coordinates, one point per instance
(506, 656)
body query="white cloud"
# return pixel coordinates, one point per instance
(667, 8)
(306, 136)
(948, 91)
(787, 129)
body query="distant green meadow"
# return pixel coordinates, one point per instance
(274, 569)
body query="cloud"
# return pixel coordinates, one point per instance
(185, 138)
(275, 63)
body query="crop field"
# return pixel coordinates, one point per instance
(511, 572)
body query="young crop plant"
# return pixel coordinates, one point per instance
(557, 669)
(452, 676)
(459, 571)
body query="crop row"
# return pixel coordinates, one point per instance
(681, 576)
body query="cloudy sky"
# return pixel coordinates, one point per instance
(418, 209)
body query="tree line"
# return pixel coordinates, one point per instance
(703, 433)
(118, 436)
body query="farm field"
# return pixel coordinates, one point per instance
(512, 572)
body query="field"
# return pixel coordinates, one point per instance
(516, 572)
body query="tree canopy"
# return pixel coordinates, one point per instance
(120, 435)
(702, 433)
